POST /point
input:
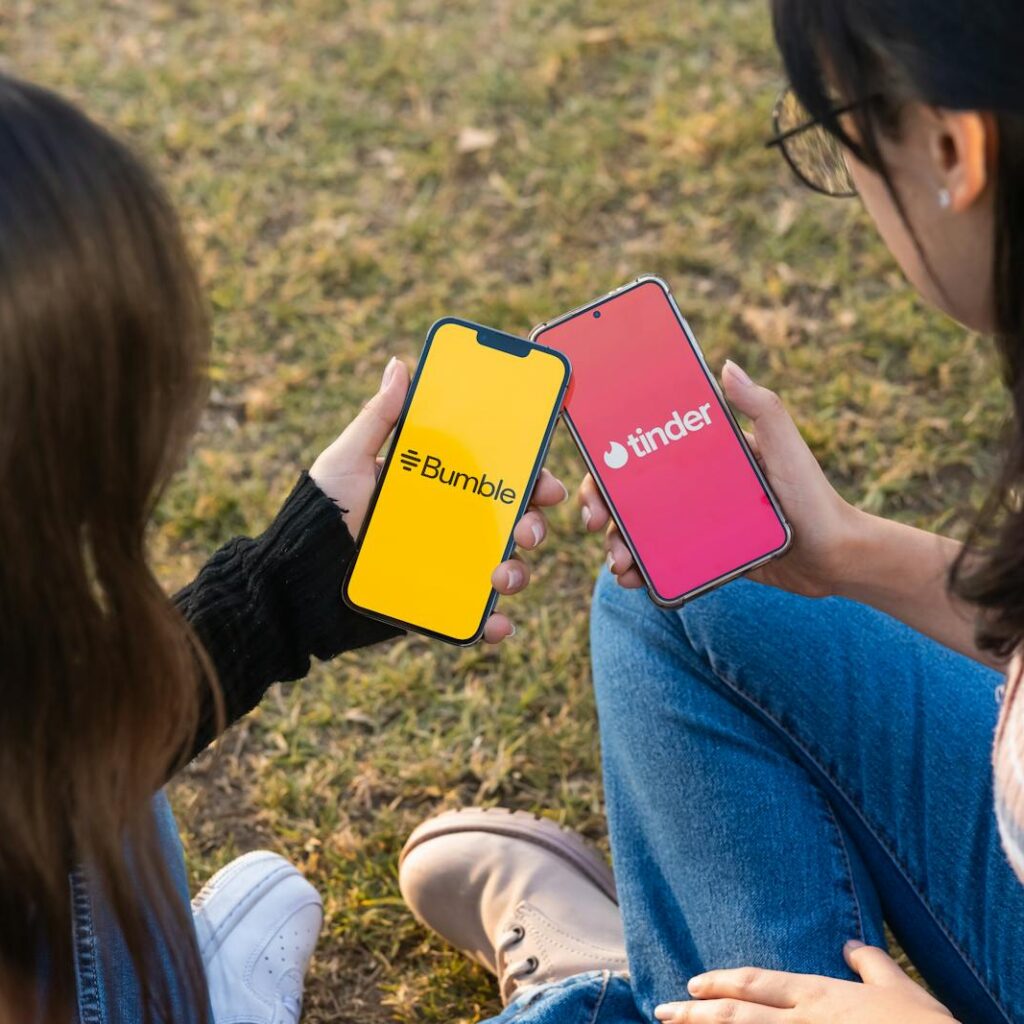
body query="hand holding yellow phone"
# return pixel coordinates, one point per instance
(466, 455)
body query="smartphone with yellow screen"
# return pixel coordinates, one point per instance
(477, 423)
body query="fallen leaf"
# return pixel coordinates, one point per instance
(551, 69)
(260, 403)
(786, 216)
(600, 35)
(476, 140)
(358, 717)
(770, 326)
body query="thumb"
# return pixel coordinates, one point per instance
(874, 966)
(777, 435)
(366, 434)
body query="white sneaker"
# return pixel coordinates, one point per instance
(257, 921)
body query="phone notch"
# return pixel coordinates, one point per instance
(504, 343)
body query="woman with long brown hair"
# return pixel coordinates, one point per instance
(108, 686)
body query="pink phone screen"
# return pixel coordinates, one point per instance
(666, 452)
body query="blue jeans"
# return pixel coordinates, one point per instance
(108, 991)
(781, 775)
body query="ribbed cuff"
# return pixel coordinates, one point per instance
(306, 553)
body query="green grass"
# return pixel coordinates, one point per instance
(313, 147)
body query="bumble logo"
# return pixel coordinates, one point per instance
(430, 467)
(646, 442)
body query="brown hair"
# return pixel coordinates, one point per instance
(103, 340)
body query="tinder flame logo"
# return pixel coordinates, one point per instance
(647, 442)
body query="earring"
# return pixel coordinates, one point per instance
(945, 199)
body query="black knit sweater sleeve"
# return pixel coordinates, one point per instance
(262, 608)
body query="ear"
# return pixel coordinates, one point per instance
(963, 148)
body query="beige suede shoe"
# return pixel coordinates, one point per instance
(530, 901)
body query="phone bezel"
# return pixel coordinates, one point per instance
(513, 342)
(659, 599)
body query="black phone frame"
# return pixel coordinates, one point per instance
(514, 346)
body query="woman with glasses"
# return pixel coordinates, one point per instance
(791, 762)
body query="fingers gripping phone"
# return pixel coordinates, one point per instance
(676, 472)
(472, 438)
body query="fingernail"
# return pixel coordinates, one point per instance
(665, 1012)
(538, 533)
(695, 986)
(565, 492)
(741, 375)
(611, 561)
(515, 577)
(853, 945)
(587, 515)
(512, 632)
(389, 372)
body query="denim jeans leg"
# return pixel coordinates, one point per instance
(108, 990)
(594, 998)
(780, 772)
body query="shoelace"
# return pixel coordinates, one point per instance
(518, 968)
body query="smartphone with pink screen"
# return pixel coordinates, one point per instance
(675, 469)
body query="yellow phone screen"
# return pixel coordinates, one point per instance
(460, 472)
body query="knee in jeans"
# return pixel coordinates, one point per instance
(627, 619)
(722, 622)
(743, 614)
(616, 609)
(612, 602)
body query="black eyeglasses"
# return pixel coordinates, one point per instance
(810, 149)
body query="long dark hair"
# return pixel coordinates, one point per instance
(957, 55)
(103, 341)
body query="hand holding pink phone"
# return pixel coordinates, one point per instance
(826, 526)
(687, 494)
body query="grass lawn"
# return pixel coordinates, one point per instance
(350, 170)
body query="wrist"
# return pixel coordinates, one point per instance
(857, 542)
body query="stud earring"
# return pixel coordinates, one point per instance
(945, 199)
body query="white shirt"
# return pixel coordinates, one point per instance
(1008, 761)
